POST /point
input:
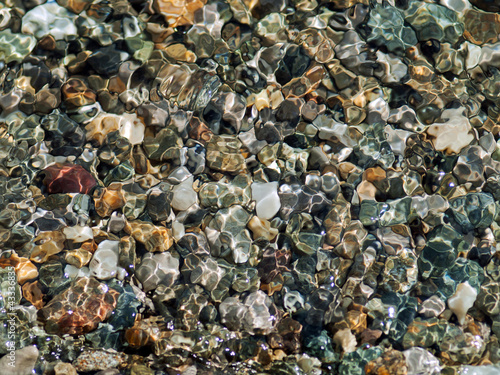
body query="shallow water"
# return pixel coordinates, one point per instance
(249, 187)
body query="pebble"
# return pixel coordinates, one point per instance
(49, 19)
(266, 198)
(96, 301)
(64, 369)
(78, 233)
(104, 263)
(184, 195)
(156, 269)
(346, 340)
(421, 361)
(67, 178)
(453, 135)
(262, 229)
(254, 186)
(95, 360)
(23, 359)
(132, 128)
(462, 301)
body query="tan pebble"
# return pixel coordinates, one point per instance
(33, 293)
(154, 238)
(47, 244)
(179, 12)
(109, 200)
(78, 258)
(262, 229)
(64, 369)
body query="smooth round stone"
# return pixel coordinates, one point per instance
(98, 359)
(117, 222)
(432, 307)
(178, 230)
(104, 263)
(73, 272)
(266, 198)
(132, 128)
(456, 5)
(107, 60)
(49, 19)
(421, 361)
(156, 269)
(64, 369)
(23, 361)
(184, 195)
(480, 370)
(15, 47)
(453, 135)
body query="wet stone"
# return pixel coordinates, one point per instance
(421, 360)
(391, 361)
(98, 359)
(227, 235)
(83, 318)
(473, 211)
(104, 263)
(238, 186)
(158, 203)
(432, 307)
(107, 60)
(400, 272)
(441, 251)
(156, 269)
(252, 314)
(64, 178)
(470, 166)
(398, 37)
(456, 344)
(424, 333)
(225, 192)
(355, 362)
(295, 198)
(154, 238)
(15, 47)
(434, 21)
(223, 154)
(481, 27)
(486, 5)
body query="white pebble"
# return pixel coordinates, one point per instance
(346, 340)
(104, 263)
(78, 233)
(267, 200)
(462, 301)
(132, 128)
(184, 195)
(178, 230)
(49, 18)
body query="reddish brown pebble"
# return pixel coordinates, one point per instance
(68, 178)
(80, 308)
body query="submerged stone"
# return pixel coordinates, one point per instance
(94, 304)
(67, 178)
(15, 47)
